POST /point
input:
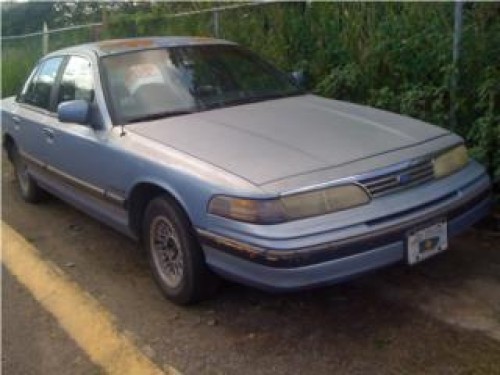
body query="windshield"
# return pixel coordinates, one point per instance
(156, 83)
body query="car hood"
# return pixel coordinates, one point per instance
(276, 139)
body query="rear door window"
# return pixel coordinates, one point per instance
(38, 91)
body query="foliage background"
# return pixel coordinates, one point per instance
(395, 56)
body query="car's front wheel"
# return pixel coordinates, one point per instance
(175, 257)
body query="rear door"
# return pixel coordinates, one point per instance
(34, 113)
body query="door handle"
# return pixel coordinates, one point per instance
(49, 134)
(17, 121)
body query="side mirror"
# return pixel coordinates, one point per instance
(76, 111)
(299, 77)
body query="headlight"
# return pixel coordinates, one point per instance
(266, 211)
(291, 207)
(324, 201)
(450, 161)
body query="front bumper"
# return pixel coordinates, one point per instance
(297, 267)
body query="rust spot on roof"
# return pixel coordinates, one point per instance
(123, 45)
(202, 38)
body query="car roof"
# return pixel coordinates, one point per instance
(115, 46)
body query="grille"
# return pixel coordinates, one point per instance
(415, 174)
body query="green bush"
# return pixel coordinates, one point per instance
(395, 56)
(19, 56)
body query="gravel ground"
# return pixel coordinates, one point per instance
(440, 317)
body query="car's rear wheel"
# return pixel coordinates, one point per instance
(30, 191)
(175, 256)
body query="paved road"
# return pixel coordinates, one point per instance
(32, 338)
(441, 317)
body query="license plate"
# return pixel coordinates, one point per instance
(427, 242)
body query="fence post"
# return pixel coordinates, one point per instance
(457, 38)
(45, 39)
(216, 23)
(104, 27)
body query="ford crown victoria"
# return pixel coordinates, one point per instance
(222, 165)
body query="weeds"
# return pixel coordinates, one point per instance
(395, 56)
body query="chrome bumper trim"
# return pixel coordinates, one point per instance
(336, 249)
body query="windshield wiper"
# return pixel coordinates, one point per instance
(155, 116)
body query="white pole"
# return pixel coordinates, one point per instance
(45, 39)
(216, 23)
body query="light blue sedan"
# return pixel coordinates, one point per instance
(220, 164)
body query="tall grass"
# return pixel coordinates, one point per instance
(395, 56)
(19, 56)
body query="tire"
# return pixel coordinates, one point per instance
(30, 191)
(169, 237)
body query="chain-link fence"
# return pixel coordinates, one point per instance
(20, 54)
(395, 56)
